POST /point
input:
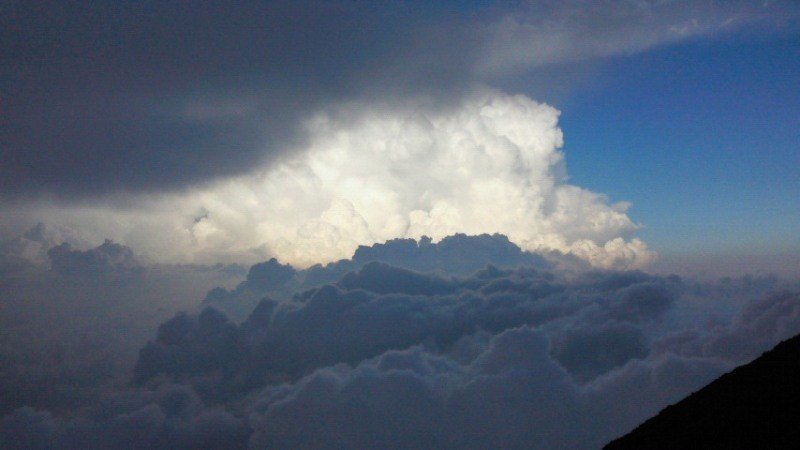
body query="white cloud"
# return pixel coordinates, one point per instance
(367, 173)
(539, 33)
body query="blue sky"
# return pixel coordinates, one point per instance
(702, 137)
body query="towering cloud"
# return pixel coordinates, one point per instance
(490, 163)
(291, 127)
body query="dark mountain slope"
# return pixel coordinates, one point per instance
(754, 406)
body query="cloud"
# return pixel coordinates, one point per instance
(171, 417)
(29, 250)
(108, 257)
(74, 321)
(268, 276)
(588, 352)
(541, 33)
(296, 135)
(381, 308)
(513, 395)
(515, 357)
(489, 164)
(181, 90)
(155, 97)
(456, 255)
(769, 319)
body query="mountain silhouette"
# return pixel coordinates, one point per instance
(757, 406)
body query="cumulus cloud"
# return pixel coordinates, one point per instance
(490, 164)
(107, 258)
(597, 322)
(73, 320)
(241, 162)
(456, 255)
(587, 352)
(29, 250)
(516, 357)
(771, 318)
(343, 164)
(512, 395)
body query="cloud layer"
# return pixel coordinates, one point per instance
(512, 358)
(116, 98)
(73, 320)
(491, 163)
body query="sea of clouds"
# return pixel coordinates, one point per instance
(334, 249)
(467, 343)
(419, 277)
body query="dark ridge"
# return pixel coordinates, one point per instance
(757, 405)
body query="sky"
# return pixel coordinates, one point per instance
(680, 116)
(721, 176)
(335, 224)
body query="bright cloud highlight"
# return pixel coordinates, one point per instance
(489, 164)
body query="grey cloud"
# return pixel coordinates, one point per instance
(541, 33)
(644, 301)
(589, 352)
(72, 325)
(761, 323)
(459, 254)
(106, 258)
(381, 308)
(383, 279)
(514, 357)
(513, 395)
(28, 251)
(456, 363)
(626, 397)
(171, 417)
(268, 276)
(116, 98)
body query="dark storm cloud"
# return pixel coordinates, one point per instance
(152, 95)
(132, 96)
